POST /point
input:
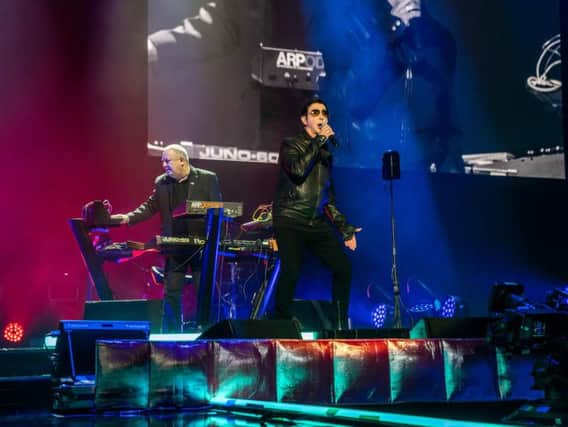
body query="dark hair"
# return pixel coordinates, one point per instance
(313, 100)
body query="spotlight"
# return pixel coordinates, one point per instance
(421, 308)
(379, 315)
(419, 299)
(13, 332)
(449, 307)
(454, 306)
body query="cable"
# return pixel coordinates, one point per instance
(184, 263)
(551, 57)
(262, 212)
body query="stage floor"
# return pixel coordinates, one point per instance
(467, 414)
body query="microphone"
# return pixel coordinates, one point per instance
(325, 139)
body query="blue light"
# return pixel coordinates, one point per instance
(449, 307)
(379, 315)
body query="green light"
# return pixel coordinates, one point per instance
(49, 342)
(345, 414)
(503, 374)
(308, 336)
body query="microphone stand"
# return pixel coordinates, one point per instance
(397, 319)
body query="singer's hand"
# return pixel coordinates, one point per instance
(326, 130)
(405, 10)
(352, 242)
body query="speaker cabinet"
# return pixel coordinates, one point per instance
(256, 329)
(76, 343)
(439, 327)
(24, 362)
(137, 310)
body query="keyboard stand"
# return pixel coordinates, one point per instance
(261, 298)
(209, 265)
(93, 262)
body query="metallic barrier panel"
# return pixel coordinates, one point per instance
(122, 369)
(361, 371)
(416, 371)
(515, 376)
(136, 374)
(470, 368)
(245, 369)
(180, 374)
(303, 371)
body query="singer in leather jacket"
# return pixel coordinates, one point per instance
(305, 215)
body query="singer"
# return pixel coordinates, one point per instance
(305, 216)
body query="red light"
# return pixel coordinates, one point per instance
(13, 332)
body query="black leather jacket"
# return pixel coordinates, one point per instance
(305, 188)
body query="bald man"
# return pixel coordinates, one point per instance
(179, 183)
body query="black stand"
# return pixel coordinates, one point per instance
(209, 270)
(397, 319)
(93, 261)
(391, 171)
(262, 297)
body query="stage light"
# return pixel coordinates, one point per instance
(419, 299)
(449, 307)
(379, 315)
(421, 308)
(454, 306)
(13, 332)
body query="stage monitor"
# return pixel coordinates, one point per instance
(76, 344)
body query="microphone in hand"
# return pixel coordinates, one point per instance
(328, 136)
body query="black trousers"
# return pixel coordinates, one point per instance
(323, 242)
(174, 281)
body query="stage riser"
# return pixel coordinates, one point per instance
(140, 375)
(25, 379)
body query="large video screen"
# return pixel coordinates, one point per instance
(456, 86)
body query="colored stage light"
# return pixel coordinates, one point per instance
(454, 306)
(13, 332)
(379, 315)
(419, 299)
(422, 308)
(449, 307)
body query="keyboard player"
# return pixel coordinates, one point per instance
(180, 182)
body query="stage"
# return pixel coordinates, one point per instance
(173, 379)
